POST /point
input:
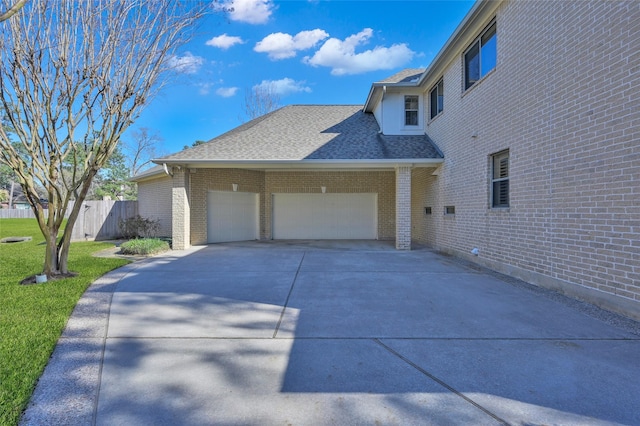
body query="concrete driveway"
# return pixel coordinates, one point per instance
(308, 334)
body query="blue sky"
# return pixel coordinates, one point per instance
(310, 52)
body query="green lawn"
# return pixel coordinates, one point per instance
(33, 316)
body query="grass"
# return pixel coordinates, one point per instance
(144, 246)
(32, 317)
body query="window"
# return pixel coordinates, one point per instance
(449, 210)
(411, 110)
(437, 99)
(481, 57)
(500, 180)
(427, 210)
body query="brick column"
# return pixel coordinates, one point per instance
(180, 209)
(403, 208)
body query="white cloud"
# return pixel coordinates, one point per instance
(282, 46)
(249, 11)
(224, 41)
(204, 88)
(186, 64)
(227, 92)
(342, 58)
(283, 87)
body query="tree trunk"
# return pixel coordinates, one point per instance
(65, 243)
(51, 253)
(11, 194)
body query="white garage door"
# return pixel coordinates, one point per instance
(325, 216)
(232, 216)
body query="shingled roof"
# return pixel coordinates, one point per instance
(409, 75)
(309, 132)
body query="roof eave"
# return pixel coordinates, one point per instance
(306, 164)
(377, 88)
(373, 97)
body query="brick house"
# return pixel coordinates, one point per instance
(517, 148)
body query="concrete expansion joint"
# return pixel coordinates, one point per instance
(439, 381)
(286, 302)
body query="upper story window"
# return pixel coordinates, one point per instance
(411, 110)
(437, 99)
(500, 179)
(481, 56)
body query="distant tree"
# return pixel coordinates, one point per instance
(4, 195)
(259, 100)
(12, 10)
(74, 75)
(113, 180)
(143, 146)
(196, 143)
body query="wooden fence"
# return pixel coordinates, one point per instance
(97, 220)
(16, 214)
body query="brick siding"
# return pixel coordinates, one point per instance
(181, 209)
(403, 208)
(154, 202)
(564, 100)
(271, 182)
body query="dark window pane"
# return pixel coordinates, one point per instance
(410, 102)
(472, 66)
(411, 118)
(437, 99)
(501, 193)
(434, 102)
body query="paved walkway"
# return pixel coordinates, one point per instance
(307, 334)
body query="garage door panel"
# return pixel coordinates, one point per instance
(325, 216)
(231, 216)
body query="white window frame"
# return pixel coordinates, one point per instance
(416, 110)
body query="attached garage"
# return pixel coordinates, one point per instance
(232, 216)
(325, 216)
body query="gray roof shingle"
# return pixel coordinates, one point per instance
(409, 75)
(310, 132)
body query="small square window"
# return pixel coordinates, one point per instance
(450, 210)
(427, 210)
(411, 104)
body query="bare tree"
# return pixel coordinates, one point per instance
(259, 100)
(74, 75)
(12, 10)
(141, 148)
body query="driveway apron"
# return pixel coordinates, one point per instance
(269, 334)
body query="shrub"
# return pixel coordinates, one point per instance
(139, 227)
(144, 246)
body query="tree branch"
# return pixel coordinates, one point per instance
(12, 10)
